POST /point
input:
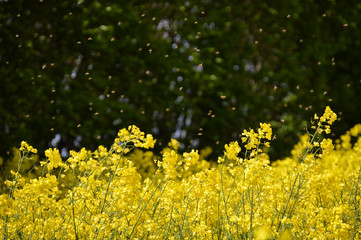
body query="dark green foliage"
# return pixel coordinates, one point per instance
(201, 71)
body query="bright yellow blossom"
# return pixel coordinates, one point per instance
(26, 147)
(329, 116)
(327, 146)
(54, 158)
(232, 150)
(109, 194)
(174, 143)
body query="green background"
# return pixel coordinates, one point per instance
(198, 71)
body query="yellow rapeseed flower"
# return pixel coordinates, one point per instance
(26, 147)
(232, 150)
(107, 194)
(54, 158)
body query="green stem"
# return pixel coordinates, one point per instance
(224, 198)
(288, 200)
(145, 205)
(73, 206)
(110, 180)
(357, 209)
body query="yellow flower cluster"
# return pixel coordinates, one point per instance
(254, 138)
(126, 193)
(325, 121)
(232, 150)
(54, 159)
(174, 144)
(191, 158)
(27, 148)
(132, 137)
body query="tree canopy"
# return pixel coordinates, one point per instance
(74, 72)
